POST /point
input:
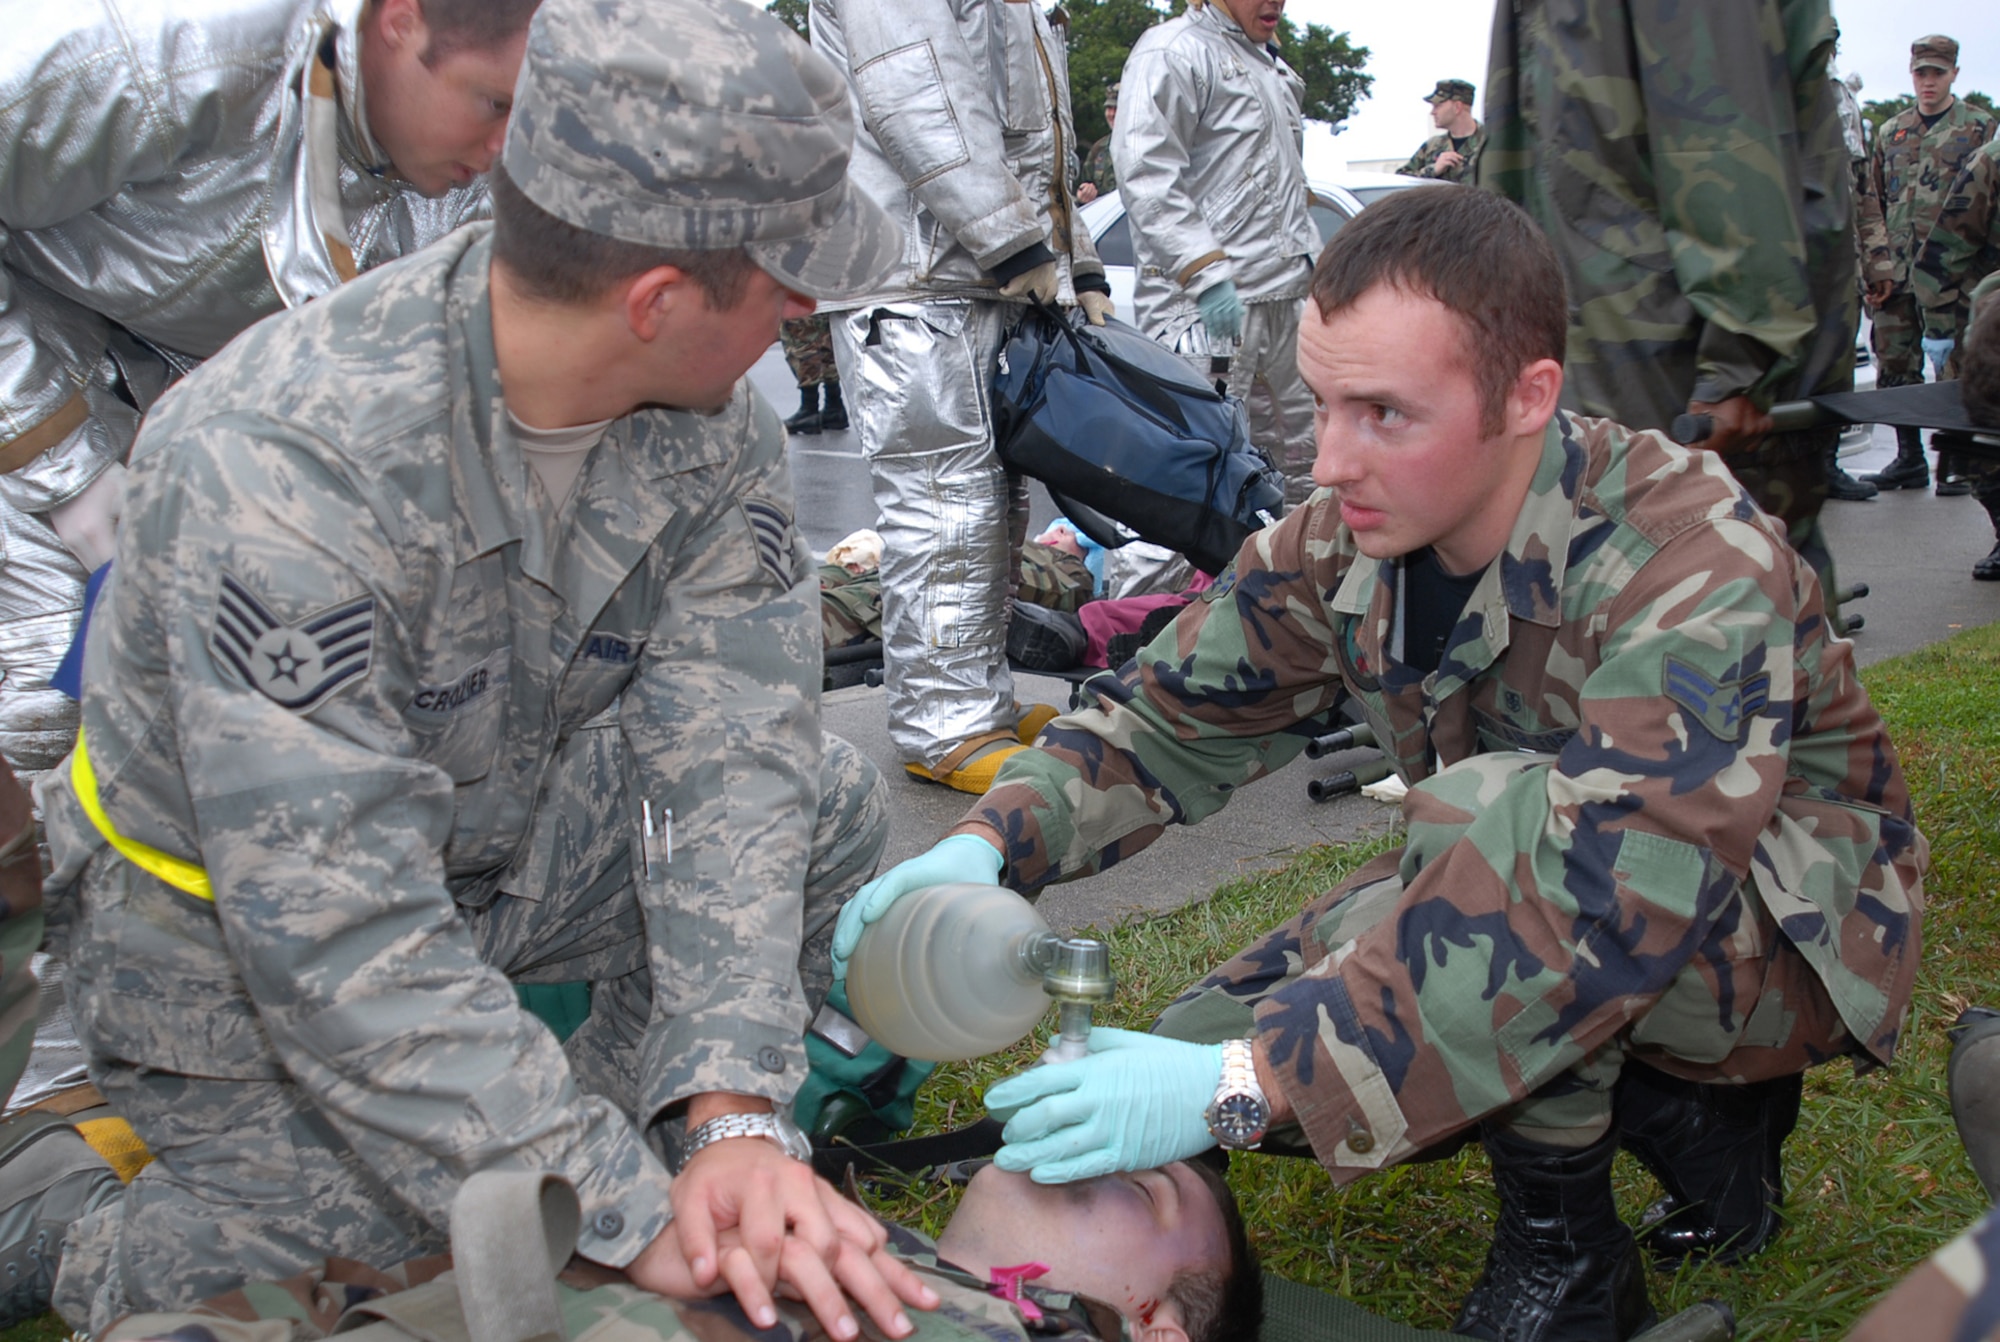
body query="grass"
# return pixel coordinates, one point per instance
(1875, 1173)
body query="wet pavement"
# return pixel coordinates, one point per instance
(1915, 552)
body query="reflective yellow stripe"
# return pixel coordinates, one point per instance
(177, 872)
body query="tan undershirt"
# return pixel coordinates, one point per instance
(556, 456)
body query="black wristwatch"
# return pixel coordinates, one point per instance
(1239, 1115)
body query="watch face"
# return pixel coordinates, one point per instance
(1238, 1120)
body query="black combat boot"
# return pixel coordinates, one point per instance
(1718, 1152)
(1988, 569)
(1841, 485)
(834, 418)
(807, 420)
(1909, 470)
(1973, 1077)
(1563, 1267)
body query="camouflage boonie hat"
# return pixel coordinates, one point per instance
(694, 125)
(1451, 91)
(1936, 52)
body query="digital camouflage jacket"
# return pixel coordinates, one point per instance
(333, 666)
(1650, 632)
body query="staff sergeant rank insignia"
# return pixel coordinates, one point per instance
(294, 666)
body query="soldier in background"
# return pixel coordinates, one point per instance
(808, 345)
(1709, 243)
(1871, 254)
(169, 174)
(1657, 834)
(1100, 170)
(1212, 175)
(461, 638)
(1452, 155)
(1960, 258)
(1918, 155)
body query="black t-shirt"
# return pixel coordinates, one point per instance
(1932, 119)
(1433, 600)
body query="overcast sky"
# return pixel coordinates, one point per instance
(1415, 43)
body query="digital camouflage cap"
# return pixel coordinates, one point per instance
(688, 124)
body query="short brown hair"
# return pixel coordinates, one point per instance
(472, 25)
(1480, 256)
(1979, 366)
(557, 262)
(1223, 1304)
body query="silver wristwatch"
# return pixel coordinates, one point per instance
(776, 1127)
(1239, 1114)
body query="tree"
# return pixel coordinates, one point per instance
(1331, 67)
(793, 12)
(1101, 34)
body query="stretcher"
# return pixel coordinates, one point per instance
(1930, 405)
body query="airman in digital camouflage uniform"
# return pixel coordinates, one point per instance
(1159, 1256)
(1918, 155)
(393, 670)
(1452, 155)
(1655, 825)
(1688, 164)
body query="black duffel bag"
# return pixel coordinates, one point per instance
(1118, 425)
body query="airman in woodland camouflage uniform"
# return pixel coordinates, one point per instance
(808, 345)
(1099, 169)
(1919, 153)
(1162, 1253)
(1708, 243)
(1961, 259)
(1452, 155)
(1654, 822)
(384, 715)
(1962, 248)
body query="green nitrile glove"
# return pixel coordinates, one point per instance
(1136, 1103)
(955, 858)
(1222, 312)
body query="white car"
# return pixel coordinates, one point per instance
(1333, 205)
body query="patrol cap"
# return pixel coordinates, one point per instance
(1111, 96)
(1936, 52)
(697, 125)
(1451, 91)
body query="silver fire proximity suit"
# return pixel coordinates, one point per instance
(963, 133)
(170, 172)
(1208, 147)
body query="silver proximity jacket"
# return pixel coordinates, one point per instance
(157, 173)
(963, 133)
(170, 172)
(1208, 147)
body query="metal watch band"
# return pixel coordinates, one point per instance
(771, 1127)
(1238, 1115)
